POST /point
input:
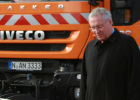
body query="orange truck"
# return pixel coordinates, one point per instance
(42, 44)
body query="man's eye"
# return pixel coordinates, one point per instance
(100, 26)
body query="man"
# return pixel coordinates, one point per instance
(111, 68)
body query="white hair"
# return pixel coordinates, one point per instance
(99, 10)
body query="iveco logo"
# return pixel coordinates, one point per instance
(34, 7)
(21, 35)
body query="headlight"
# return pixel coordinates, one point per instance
(78, 76)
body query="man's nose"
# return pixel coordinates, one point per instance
(96, 31)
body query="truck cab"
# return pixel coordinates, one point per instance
(42, 43)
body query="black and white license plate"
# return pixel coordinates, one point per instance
(25, 66)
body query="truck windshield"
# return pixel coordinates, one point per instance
(23, 1)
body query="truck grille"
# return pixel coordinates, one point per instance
(32, 47)
(36, 46)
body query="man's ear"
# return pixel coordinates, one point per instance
(110, 21)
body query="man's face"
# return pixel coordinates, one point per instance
(101, 28)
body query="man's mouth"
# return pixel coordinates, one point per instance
(99, 34)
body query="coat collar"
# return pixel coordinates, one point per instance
(112, 38)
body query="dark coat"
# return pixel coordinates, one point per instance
(111, 70)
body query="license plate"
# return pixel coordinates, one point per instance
(25, 66)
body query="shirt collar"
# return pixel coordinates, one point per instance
(113, 30)
(112, 38)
